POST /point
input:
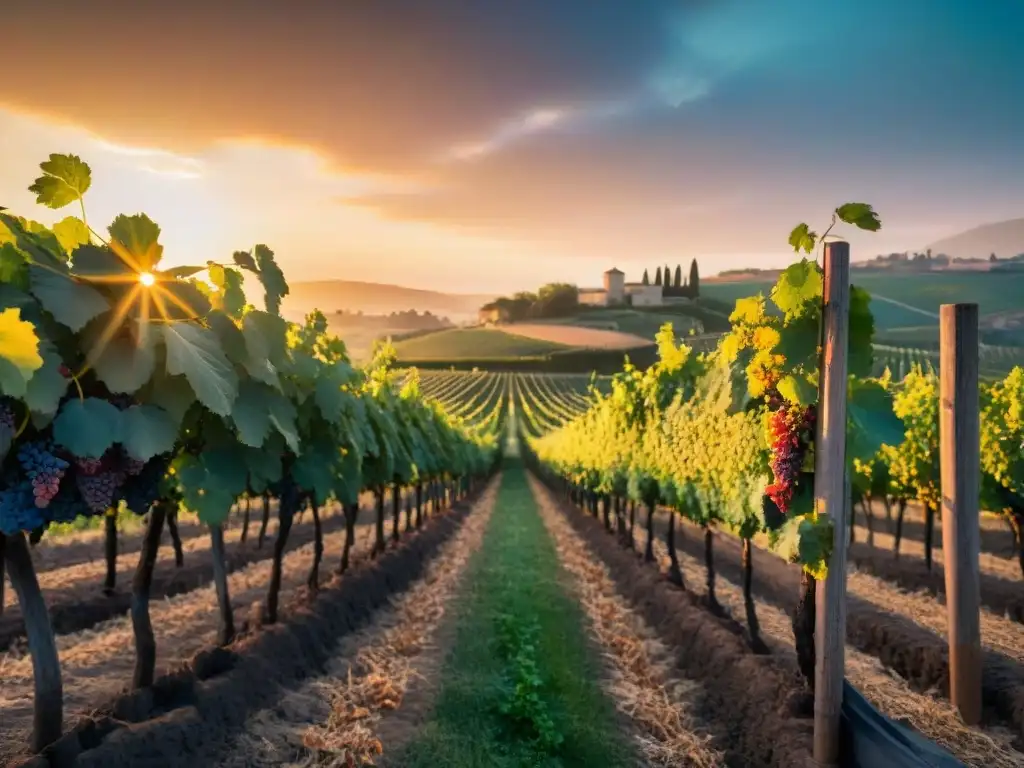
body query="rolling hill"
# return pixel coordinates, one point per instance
(378, 298)
(1003, 238)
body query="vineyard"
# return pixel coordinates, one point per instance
(392, 566)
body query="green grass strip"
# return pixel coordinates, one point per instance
(521, 686)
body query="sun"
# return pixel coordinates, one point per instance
(147, 278)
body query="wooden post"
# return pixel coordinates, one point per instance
(960, 449)
(831, 498)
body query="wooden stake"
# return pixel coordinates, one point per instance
(960, 449)
(831, 498)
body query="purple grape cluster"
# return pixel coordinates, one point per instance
(133, 466)
(18, 511)
(87, 465)
(791, 429)
(43, 469)
(99, 490)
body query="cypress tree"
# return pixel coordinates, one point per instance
(678, 281)
(647, 278)
(694, 280)
(657, 277)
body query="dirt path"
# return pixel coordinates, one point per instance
(658, 705)
(379, 683)
(97, 663)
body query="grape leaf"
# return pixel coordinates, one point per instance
(38, 243)
(124, 364)
(265, 337)
(65, 179)
(135, 238)
(71, 232)
(861, 215)
(797, 389)
(172, 393)
(195, 352)
(100, 263)
(251, 413)
(147, 431)
(13, 267)
(231, 296)
(19, 352)
(48, 384)
(264, 464)
(245, 260)
(180, 300)
(797, 287)
(803, 239)
(312, 470)
(87, 427)
(275, 287)
(282, 416)
(798, 343)
(71, 303)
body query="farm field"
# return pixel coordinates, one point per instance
(577, 336)
(644, 323)
(474, 344)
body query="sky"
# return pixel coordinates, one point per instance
(494, 145)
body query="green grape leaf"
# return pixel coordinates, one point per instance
(861, 215)
(803, 239)
(312, 471)
(245, 260)
(71, 303)
(195, 353)
(798, 343)
(71, 232)
(797, 287)
(180, 300)
(38, 243)
(275, 287)
(19, 352)
(100, 263)
(797, 389)
(13, 267)
(283, 416)
(265, 337)
(135, 238)
(87, 427)
(124, 364)
(147, 431)
(65, 179)
(172, 393)
(230, 295)
(871, 421)
(251, 413)
(231, 339)
(264, 464)
(48, 384)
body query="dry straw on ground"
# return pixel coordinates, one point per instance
(642, 681)
(986, 747)
(333, 720)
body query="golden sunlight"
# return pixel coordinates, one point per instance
(146, 278)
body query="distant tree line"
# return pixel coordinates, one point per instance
(550, 301)
(407, 319)
(674, 284)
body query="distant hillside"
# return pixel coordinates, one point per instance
(1004, 238)
(378, 298)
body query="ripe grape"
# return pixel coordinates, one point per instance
(43, 469)
(791, 429)
(143, 489)
(99, 490)
(18, 511)
(87, 465)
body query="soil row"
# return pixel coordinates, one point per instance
(210, 698)
(917, 654)
(759, 714)
(76, 605)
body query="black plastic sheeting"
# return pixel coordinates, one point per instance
(872, 740)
